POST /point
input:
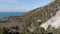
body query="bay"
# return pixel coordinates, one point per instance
(4, 14)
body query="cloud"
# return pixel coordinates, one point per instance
(11, 6)
(10, 1)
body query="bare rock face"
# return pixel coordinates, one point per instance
(53, 21)
(33, 19)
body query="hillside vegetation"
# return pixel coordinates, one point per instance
(30, 22)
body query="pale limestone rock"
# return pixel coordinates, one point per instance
(53, 21)
(39, 20)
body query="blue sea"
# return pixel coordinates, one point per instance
(6, 14)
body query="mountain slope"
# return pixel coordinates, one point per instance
(53, 21)
(31, 21)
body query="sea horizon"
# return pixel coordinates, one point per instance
(6, 14)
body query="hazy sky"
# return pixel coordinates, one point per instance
(21, 5)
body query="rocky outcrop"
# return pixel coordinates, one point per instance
(25, 22)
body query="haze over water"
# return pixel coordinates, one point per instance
(5, 14)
